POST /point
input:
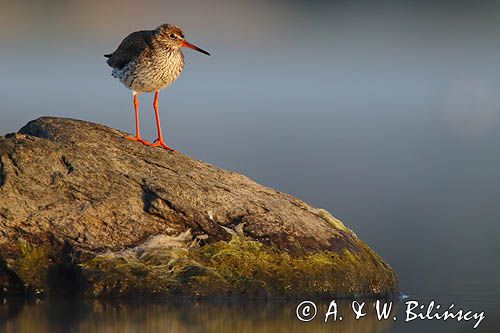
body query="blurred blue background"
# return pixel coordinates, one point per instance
(385, 113)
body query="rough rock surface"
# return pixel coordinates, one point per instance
(83, 210)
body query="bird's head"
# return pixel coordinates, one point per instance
(171, 36)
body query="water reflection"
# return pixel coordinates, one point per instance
(52, 316)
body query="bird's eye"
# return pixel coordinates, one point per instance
(173, 36)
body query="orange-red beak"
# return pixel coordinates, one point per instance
(194, 47)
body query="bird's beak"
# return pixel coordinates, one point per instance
(194, 47)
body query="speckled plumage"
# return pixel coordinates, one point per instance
(154, 70)
(148, 61)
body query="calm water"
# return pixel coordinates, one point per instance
(223, 316)
(387, 115)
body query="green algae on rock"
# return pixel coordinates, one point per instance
(107, 217)
(32, 265)
(237, 267)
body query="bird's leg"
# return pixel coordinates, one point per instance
(159, 142)
(137, 136)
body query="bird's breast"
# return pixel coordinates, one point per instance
(154, 70)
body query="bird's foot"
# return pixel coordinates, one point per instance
(138, 139)
(160, 143)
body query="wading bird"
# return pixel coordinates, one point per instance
(149, 61)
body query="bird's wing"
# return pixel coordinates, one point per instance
(129, 48)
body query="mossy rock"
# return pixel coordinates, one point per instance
(32, 266)
(238, 267)
(84, 210)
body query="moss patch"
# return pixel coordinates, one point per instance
(160, 266)
(336, 223)
(32, 266)
(250, 267)
(239, 267)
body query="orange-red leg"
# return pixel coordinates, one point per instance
(159, 142)
(137, 136)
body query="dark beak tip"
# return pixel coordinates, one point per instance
(202, 51)
(194, 47)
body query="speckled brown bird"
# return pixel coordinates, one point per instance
(149, 61)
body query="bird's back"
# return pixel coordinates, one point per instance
(130, 48)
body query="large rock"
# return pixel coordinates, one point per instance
(83, 210)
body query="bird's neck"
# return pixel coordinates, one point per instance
(162, 48)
